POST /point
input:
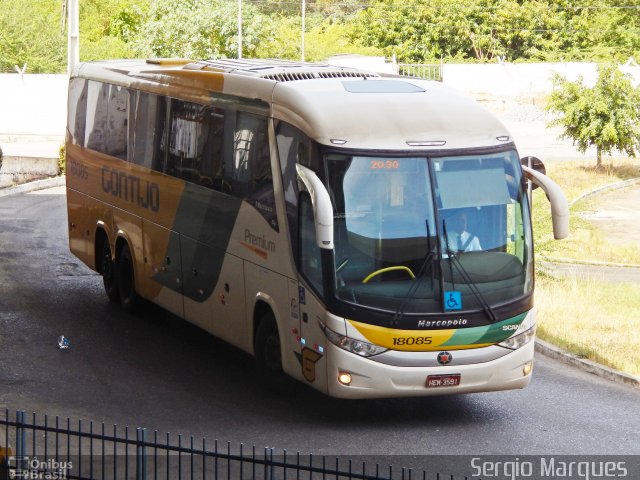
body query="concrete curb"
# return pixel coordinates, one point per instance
(591, 263)
(605, 188)
(588, 366)
(33, 186)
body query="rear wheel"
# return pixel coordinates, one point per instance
(126, 281)
(108, 270)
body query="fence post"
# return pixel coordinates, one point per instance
(141, 455)
(21, 442)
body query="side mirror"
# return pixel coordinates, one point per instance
(534, 163)
(559, 204)
(322, 208)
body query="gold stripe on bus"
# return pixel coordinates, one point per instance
(261, 253)
(411, 340)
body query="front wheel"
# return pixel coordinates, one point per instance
(126, 281)
(108, 270)
(269, 353)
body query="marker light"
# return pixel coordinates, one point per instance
(344, 378)
(526, 370)
(427, 143)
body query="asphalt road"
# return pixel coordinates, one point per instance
(156, 371)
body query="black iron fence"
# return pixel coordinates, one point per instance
(54, 448)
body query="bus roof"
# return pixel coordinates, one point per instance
(333, 105)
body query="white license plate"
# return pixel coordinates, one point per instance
(443, 380)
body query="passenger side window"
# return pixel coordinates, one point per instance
(149, 121)
(310, 257)
(195, 144)
(77, 110)
(293, 147)
(107, 119)
(97, 114)
(118, 121)
(248, 171)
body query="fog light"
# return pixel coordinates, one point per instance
(344, 378)
(526, 370)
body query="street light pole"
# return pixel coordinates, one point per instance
(239, 28)
(73, 43)
(304, 11)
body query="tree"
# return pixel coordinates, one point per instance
(30, 34)
(606, 115)
(418, 31)
(199, 29)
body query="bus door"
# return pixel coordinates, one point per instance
(312, 311)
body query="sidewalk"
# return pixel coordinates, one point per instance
(618, 216)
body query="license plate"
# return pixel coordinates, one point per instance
(443, 380)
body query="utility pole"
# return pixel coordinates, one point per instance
(304, 11)
(73, 44)
(239, 28)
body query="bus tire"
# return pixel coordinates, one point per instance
(126, 280)
(268, 353)
(108, 271)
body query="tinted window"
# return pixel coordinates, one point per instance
(77, 110)
(106, 128)
(118, 120)
(196, 142)
(310, 257)
(248, 170)
(293, 148)
(97, 115)
(149, 120)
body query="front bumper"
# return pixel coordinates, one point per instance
(376, 380)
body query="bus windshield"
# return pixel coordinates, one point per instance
(430, 235)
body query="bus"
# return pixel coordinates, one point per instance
(368, 235)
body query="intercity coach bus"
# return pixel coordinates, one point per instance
(367, 235)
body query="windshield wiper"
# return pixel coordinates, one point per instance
(427, 261)
(453, 259)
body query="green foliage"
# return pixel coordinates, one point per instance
(606, 115)
(417, 31)
(30, 33)
(107, 28)
(332, 38)
(199, 29)
(62, 160)
(323, 38)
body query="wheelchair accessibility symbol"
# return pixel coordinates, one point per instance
(452, 301)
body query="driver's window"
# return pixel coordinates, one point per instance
(310, 258)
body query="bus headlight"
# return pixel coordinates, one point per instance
(519, 340)
(364, 349)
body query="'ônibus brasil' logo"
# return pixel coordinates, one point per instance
(444, 358)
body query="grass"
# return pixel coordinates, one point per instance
(586, 316)
(585, 241)
(591, 319)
